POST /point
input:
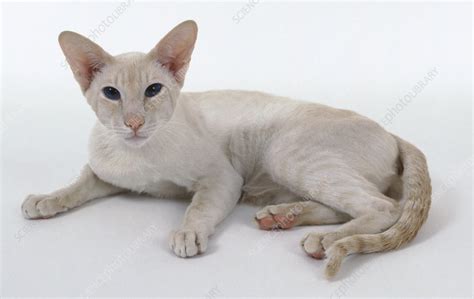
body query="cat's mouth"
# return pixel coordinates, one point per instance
(136, 140)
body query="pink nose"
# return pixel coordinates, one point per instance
(135, 122)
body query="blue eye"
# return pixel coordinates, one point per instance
(111, 93)
(152, 90)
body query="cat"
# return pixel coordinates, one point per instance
(309, 164)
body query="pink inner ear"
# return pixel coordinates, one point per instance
(176, 69)
(175, 49)
(172, 55)
(88, 66)
(95, 68)
(175, 59)
(84, 56)
(85, 70)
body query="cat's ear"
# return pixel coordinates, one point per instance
(85, 57)
(175, 49)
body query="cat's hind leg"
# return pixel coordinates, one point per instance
(87, 187)
(326, 178)
(288, 215)
(371, 215)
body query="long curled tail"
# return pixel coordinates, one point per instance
(417, 199)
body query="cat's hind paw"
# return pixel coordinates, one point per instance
(316, 244)
(276, 217)
(41, 206)
(312, 245)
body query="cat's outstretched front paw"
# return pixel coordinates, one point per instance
(187, 243)
(41, 206)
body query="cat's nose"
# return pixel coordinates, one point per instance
(134, 122)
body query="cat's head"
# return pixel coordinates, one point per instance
(132, 94)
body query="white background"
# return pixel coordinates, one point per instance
(358, 56)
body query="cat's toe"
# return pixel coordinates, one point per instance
(40, 206)
(187, 243)
(272, 217)
(312, 245)
(266, 223)
(28, 208)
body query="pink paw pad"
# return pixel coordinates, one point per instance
(284, 222)
(319, 255)
(275, 222)
(266, 223)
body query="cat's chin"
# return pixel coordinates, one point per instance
(135, 141)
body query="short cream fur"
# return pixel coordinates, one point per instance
(309, 164)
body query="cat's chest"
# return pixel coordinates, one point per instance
(153, 165)
(125, 169)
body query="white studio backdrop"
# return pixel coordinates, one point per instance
(406, 65)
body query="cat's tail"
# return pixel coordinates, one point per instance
(417, 200)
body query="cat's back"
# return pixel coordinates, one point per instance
(237, 102)
(228, 109)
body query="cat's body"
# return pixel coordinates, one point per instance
(314, 164)
(243, 140)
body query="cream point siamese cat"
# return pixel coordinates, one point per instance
(308, 163)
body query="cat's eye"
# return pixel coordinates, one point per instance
(111, 93)
(152, 90)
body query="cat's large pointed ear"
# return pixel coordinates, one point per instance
(175, 49)
(85, 57)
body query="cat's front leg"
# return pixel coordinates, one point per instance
(87, 187)
(213, 200)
